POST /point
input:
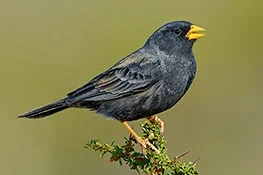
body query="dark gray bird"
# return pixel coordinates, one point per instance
(148, 81)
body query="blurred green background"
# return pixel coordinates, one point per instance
(48, 48)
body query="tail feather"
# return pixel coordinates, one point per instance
(46, 110)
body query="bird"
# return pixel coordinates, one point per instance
(146, 82)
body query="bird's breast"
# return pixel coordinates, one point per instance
(174, 84)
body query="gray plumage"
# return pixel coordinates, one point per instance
(146, 82)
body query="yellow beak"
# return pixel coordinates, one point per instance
(195, 32)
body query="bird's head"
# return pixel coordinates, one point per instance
(175, 37)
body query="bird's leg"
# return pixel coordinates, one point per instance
(157, 120)
(143, 143)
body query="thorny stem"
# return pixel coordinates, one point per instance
(147, 161)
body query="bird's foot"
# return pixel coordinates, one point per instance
(158, 121)
(144, 143)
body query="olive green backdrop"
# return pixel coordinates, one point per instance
(50, 47)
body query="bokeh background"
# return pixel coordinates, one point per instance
(50, 47)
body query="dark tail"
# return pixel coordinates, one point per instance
(46, 110)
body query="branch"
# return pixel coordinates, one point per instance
(147, 160)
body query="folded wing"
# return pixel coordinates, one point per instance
(134, 74)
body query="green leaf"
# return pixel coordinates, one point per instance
(148, 161)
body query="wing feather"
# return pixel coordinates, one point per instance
(130, 76)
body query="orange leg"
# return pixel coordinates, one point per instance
(143, 143)
(157, 120)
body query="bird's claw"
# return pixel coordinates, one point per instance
(158, 121)
(142, 142)
(145, 143)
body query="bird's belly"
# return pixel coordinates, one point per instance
(166, 99)
(142, 105)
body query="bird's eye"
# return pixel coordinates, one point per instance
(177, 31)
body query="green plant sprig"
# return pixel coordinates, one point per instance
(147, 160)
